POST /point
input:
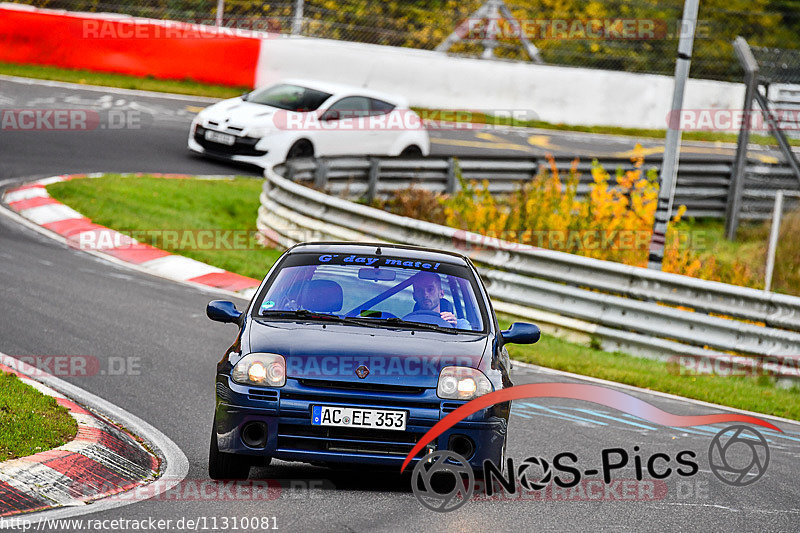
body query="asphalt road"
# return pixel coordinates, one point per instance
(154, 137)
(59, 301)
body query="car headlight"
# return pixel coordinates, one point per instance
(258, 132)
(264, 369)
(462, 383)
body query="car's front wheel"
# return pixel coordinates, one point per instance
(411, 151)
(225, 465)
(299, 149)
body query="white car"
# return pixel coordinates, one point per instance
(296, 118)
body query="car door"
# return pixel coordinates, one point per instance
(386, 131)
(344, 128)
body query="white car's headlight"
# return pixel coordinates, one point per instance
(264, 369)
(258, 132)
(462, 383)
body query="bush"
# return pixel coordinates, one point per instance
(613, 222)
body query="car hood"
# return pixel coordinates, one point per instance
(393, 357)
(240, 113)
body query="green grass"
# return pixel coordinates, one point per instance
(137, 204)
(145, 203)
(758, 394)
(30, 422)
(194, 88)
(123, 81)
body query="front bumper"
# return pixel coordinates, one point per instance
(242, 151)
(286, 413)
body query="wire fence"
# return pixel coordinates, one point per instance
(570, 32)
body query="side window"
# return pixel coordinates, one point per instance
(349, 107)
(379, 107)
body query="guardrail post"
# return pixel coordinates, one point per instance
(321, 174)
(738, 174)
(290, 170)
(450, 185)
(374, 175)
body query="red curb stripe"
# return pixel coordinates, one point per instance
(226, 280)
(13, 501)
(88, 435)
(72, 406)
(29, 203)
(82, 227)
(69, 226)
(26, 187)
(9, 370)
(137, 254)
(85, 472)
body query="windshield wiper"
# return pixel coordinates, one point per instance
(299, 313)
(410, 323)
(311, 315)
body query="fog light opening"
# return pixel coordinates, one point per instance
(462, 445)
(254, 434)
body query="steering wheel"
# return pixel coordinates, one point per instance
(427, 317)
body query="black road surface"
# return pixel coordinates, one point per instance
(59, 301)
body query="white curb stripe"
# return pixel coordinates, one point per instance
(45, 214)
(40, 481)
(179, 267)
(50, 181)
(102, 239)
(44, 389)
(26, 194)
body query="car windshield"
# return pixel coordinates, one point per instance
(289, 97)
(384, 290)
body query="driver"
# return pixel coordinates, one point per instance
(428, 294)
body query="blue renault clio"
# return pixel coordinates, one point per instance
(350, 353)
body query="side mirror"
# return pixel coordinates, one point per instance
(521, 333)
(222, 311)
(332, 114)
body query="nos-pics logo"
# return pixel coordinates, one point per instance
(443, 480)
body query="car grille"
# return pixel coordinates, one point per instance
(267, 395)
(242, 145)
(329, 399)
(371, 387)
(346, 440)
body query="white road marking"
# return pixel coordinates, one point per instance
(544, 370)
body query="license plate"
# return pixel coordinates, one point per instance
(222, 138)
(327, 415)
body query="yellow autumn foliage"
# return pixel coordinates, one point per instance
(613, 221)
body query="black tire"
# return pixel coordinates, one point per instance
(411, 151)
(301, 148)
(225, 465)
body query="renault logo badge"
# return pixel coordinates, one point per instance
(362, 371)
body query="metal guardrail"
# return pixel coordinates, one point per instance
(702, 184)
(631, 308)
